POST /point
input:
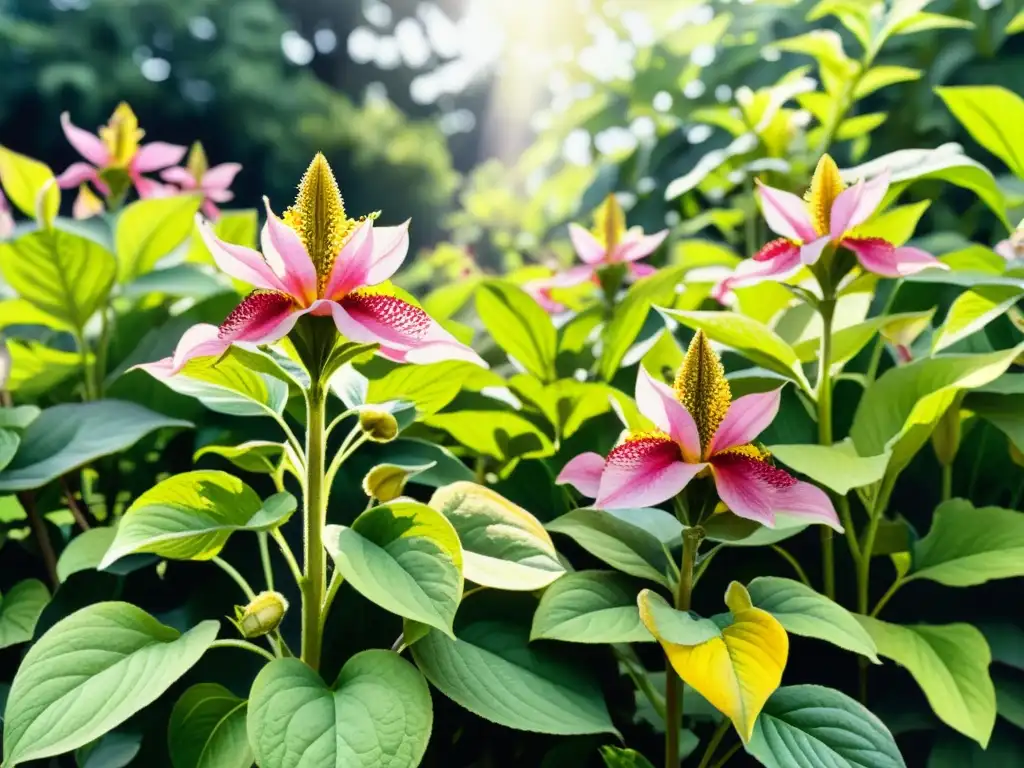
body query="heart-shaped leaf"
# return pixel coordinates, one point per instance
(207, 729)
(504, 546)
(734, 660)
(89, 673)
(228, 385)
(405, 557)
(20, 608)
(377, 714)
(190, 517)
(590, 607)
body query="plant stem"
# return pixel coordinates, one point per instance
(332, 591)
(716, 739)
(87, 370)
(635, 669)
(76, 511)
(824, 397)
(673, 685)
(947, 482)
(268, 570)
(236, 577)
(245, 646)
(293, 564)
(101, 352)
(727, 756)
(314, 582)
(887, 596)
(785, 555)
(42, 536)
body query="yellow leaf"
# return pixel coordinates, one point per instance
(737, 658)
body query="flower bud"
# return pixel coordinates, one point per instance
(379, 425)
(262, 616)
(385, 482)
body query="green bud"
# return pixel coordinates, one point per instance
(380, 426)
(385, 482)
(262, 616)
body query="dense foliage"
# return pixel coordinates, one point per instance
(752, 496)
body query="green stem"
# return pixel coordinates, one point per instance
(268, 570)
(346, 450)
(314, 582)
(947, 482)
(800, 572)
(673, 685)
(332, 591)
(824, 398)
(887, 596)
(87, 371)
(238, 578)
(635, 669)
(727, 756)
(101, 353)
(245, 646)
(716, 739)
(292, 439)
(293, 564)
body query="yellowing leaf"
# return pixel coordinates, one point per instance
(734, 660)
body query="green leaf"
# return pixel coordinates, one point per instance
(1016, 24)
(848, 341)
(410, 452)
(148, 230)
(493, 671)
(897, 225)
(967, 546)
(89, 673)
(631, 313)
(813, 725)
(837, 467)
(590, 607)
(504, 435)
(755, 341)
(1005, 412)
(620, 544)
(504, 546)
(989, 113)
(20, 609)
(614, 757)
(519, 326)
(228, 385)
(377, 713)
(804, 612)
(404, 557)
(116, 749)
(974, 309)
(85, 552)
(23, 180)
(207, 729)
(66, 276)
(950, 664)
(429, 387)
(239, 227)
(257, 456)
(923, 22)
(67, 436)
(860, 125)
(9, 442)
(880, 77)
(191, 516)
(36, 368)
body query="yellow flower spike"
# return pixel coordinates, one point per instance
(609, 222)
(702, 388)
(734, 660)
(121, 135)
(197, 164)
(825, 188)
(318, 216)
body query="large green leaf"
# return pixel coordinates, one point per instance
(756, 342)
(519, 326)
(405, 557)
(148, 230)
(493, 671)
(950, 664)
(802, 611)
(990, 114)
(207, 729)
(377, 714)
(429, 387)
(20, 609)
(972, 310)
(504, 546)
(413, 452)
(967, 546)
(848, 341)
(1005, 412)
(624, 546)
(66, 276)
(837, 467)
(502, 434)
(67, 436)
(261, 457)
(809, 725)
(36, 368)
(227, 384)
(23, 179)
(85, 551)
(590, 607)
(190, 517)
(89, 673)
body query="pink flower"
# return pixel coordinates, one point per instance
(117, 149)
(213, 182)
(6, 219)
(829, 216)
(540, 291)
(317, 261)
(699, 430)
(1012, 248)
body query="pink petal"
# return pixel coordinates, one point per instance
(857, 204)
(88, 145)
(1006, 249)
(811, 252)
(390, 246)
(238, 261)
(781, 266)
(218, 195)
(210, 211)
(157, 155)
(808, 501)
(180, 176)
(638, 271)
(643, 472)
(540, 291)
(747, 417)
(658, 403)
(200, 340)
(221, 176)
(786, 214)
(149, 188)
(6, 225)
(77, 173)
(878, 256)
(588, 247)
(572, 276)
(633, 250)
(583, 473)
(284, 249)
(352, 263)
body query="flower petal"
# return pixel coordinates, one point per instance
(150, 188)
(86, 204)
(583, 473)
(390, 246)
(352, 263)
(658, 403)
(282, 246)
(811, 252)
(744, 486)
(200, 340)
(75, 174)
(572, 276)
(210, 211)
(180, 176)
(221, 176)
(633, 250)
(588, 247)
(157, 155)
(88, 145)
(540, 291)
(783, 265)
(807, 501)
(879, 256)
(238, 261)
(747, 417)
(638, 271)
(786, 214)
(643, 472)
(856, 204)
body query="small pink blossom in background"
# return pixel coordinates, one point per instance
(6, 218)
(214, 183)
(1012, 248)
